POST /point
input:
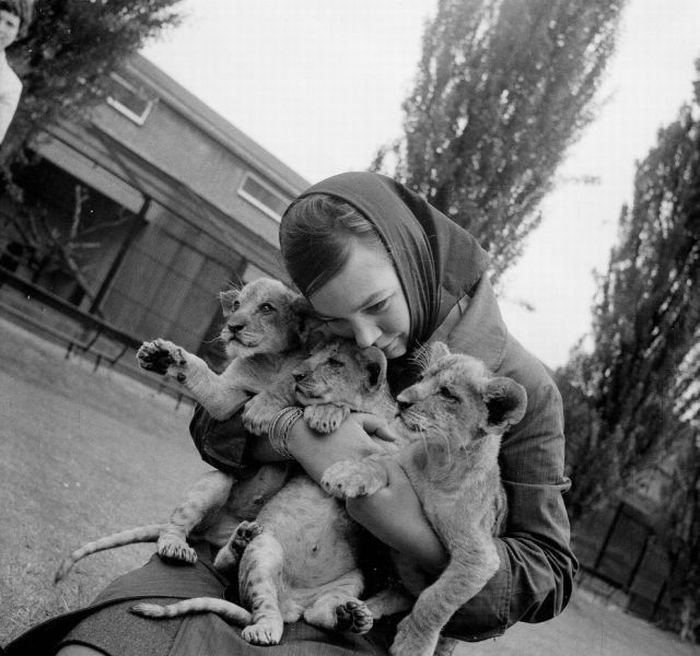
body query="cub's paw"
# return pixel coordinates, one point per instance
(259, 412)
(351, 478)
(230, 554)
(163, 357)
(244, 534)
(175, 549)
(325, 418)
(264, 632)
(410, 640)
(354, 616)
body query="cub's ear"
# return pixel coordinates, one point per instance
(312, 330)
(373, 361)
(438, 350)
(506, 402)
(227, 298)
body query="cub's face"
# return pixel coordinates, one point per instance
(338, 371)
(264, 316)
(459, 399)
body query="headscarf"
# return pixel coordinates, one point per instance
(437, 261)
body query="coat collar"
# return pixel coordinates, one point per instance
(475, 326)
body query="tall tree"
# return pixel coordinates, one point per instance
(503, 88)
(630, 397)
(70, 49)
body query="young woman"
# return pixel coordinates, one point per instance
(381, 265)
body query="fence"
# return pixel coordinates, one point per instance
(620, 547)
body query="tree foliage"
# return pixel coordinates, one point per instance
(635, 382)
(632, 401)
(503, 88)
(71, 47)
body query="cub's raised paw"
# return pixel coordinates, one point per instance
(351, 478)
(354, 616)
(325, 418)
(162, 357)
(175, 549)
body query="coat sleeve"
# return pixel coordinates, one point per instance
(221, 444)
(535, 579)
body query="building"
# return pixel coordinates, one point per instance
(158, 204)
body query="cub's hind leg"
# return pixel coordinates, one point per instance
(230, 554)
(339, 608)
(203, 500)
(259, 583)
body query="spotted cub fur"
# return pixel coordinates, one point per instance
(459, 411)
(300, 557)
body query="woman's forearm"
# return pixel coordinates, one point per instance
(393, 514)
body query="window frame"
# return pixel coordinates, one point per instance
(258, 203)
(139, 119)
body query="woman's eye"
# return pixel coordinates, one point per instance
(445, 392)
(378, 307)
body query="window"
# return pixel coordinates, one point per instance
(127, 99)
(261, 195)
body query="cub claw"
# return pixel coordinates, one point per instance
(354, 616)
(159, 356)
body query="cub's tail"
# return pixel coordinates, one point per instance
(226, 609)
(149, 533)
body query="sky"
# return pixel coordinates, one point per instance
(320, 84)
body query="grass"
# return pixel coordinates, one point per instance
(82, 454)
(85, 453)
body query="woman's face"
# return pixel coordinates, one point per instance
(9, 28)
(365, 301)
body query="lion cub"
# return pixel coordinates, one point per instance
(458, 411)
(300, 557)
(266, 325)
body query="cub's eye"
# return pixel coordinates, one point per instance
(336, 364)
(236, 305)
(444, 391)
(266, 308)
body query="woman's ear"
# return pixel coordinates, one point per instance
(506, 402)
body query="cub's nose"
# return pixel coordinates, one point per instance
(234, 327)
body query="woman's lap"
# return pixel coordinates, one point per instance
(107, 624)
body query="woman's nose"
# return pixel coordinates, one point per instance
(366, 333)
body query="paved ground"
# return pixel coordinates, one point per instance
(84, 453)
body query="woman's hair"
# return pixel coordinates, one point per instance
(315, 238)
(22, 9)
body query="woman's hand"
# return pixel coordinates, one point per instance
(350, 441)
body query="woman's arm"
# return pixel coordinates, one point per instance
(394, 513)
